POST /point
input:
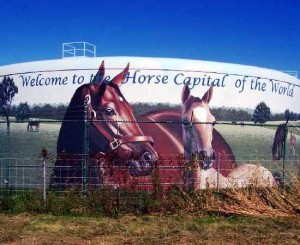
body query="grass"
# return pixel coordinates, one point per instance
(28, 144)
(228, 216)
(250, 144)
(151, 229)
(251, 201)
(247, 142)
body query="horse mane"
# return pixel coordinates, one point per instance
(117, 88)
(76, 106)
(73, 123)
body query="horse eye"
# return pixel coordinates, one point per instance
(185, 123)
(109, 111)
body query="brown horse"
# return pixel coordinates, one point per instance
(33, 124)
(167, 128)
(279, 140)
(176, 133)
(110, 141)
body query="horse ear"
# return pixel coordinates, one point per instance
(185, 93)
(98, 79)
(208, 95)
(118, 79)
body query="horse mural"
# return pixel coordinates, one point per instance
(121, 149)
(212, 161)
(203, 174)
(279, 141)
(109, 140)
(167, 128)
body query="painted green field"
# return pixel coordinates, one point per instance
(25, 148)
(24, 143)
(249, 143)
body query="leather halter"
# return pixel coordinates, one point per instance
(117, 140)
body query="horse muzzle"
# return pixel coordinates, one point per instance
(143, 166)
(206, 159)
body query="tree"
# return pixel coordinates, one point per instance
(36, 111)
(287, 114)
(22, 112)
(8, 90)
(261, 113)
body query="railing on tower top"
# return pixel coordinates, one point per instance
(78, 49)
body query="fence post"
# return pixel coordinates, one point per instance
(44, 153)
(192, 169)
(218, 170)
(283, 150)
(85, 149)
(45, 182)
(7, 154)
(191, 141)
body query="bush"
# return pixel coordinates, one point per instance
(250, 201)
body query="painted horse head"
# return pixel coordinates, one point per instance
(106, 111)
(197, 127)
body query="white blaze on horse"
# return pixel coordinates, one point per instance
(197, 141)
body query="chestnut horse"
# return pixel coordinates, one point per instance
(167, 128)
(98, 130)
(215, 161)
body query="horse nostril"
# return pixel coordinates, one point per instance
(147, 156)
(203, 154)
(213, 155)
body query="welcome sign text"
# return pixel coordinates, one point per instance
(241, 83)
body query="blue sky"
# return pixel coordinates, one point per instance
(262, 33)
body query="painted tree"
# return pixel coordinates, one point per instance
(8, 90)
(22, 112)
(261, 113)
(287, 114)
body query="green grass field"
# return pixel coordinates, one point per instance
(186, 226)
(24, 143)
(250, 144)
(247, 142)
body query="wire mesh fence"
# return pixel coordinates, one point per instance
(38, 159)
